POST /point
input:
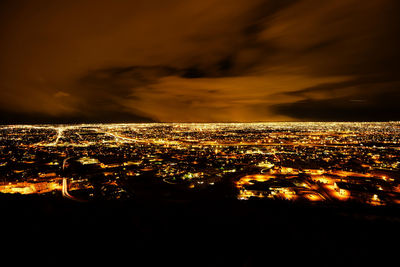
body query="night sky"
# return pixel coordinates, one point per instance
(199, 61)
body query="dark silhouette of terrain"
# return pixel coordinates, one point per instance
(199, 231)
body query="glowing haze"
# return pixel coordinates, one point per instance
(199, 61)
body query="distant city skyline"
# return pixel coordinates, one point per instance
(199, 61)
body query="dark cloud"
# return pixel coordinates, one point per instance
(101, 94)
(222, 68)
(343, 109)
(360, 100)
(121, 81)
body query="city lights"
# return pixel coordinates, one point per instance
(311, 162)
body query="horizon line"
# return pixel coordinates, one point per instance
(252, 122)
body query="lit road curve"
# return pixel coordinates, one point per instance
(320, 189)
(64, 190)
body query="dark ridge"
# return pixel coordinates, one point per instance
(196, 232)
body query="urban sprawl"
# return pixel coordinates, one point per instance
(293, 161)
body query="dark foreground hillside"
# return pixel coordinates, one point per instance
(202, 232)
